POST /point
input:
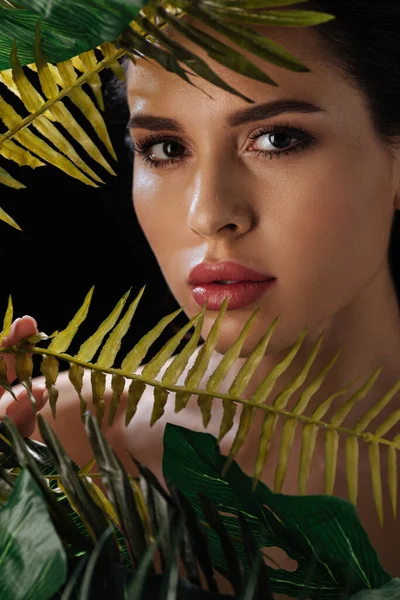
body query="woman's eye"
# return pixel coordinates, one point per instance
(274, 141)
(161, 151)
(170, 150)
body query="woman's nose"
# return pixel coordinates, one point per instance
(218, 203)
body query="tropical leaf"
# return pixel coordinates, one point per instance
(94, 570)
(32, 558)
(120, 491)
(261, 400)
(322, 533)
(68, 27)
(78, 495)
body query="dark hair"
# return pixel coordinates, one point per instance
(363, 40)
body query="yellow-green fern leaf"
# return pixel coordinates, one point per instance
(7, 320)
(376, 479)
(98, 381)
(10, 181)
(152, 369)
(113, 344)
(259, 397)
(393, 475)
(85, 104)
(216, 378)
(202, 361)
(89, 62)
(62, 341)
(75, 375)
(89, 348)
(281, 402)
(352, 456)
(33, 102)
(139, 351)
(310, 425)
(49, 368)
(244, 376)
(289, 427)
(117, 387)
(63, 116)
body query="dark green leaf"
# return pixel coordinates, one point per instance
(199, 66)
(118, 485)
(217, 50)
(214, 519)
(258, 581)
(71, 586)
(32, 558)
(187, 553)
(68, 27)
(197, 536)
(151, 480)
(66, 529)
(249, 39)
(169, 585)
(91, 565)
(322, 533)
(83, 502)
(136, 586)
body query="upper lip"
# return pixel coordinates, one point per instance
(224, 271)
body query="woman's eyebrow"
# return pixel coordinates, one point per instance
(255, 113)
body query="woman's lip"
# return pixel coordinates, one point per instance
(240, 294)
(205, 273)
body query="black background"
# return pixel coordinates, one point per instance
(75, 236)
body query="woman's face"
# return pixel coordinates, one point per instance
(317, 218)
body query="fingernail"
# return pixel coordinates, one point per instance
(34, 320)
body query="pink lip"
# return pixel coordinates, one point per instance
(250, 285)
(223, 271)
(240, 294)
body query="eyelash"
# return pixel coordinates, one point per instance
(141, 147)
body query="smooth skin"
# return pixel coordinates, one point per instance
(318, 219)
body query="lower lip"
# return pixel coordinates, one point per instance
(240, 294)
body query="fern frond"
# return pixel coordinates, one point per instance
(116, 327)
(55, 83)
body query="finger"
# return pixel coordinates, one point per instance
(20, 329)
(20, 411)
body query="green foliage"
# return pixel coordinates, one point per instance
(323, 534)
(69, 27)
(96, 570)
(33, 563)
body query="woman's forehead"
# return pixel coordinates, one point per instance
(149, 83)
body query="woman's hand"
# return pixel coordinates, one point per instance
(20, 411)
